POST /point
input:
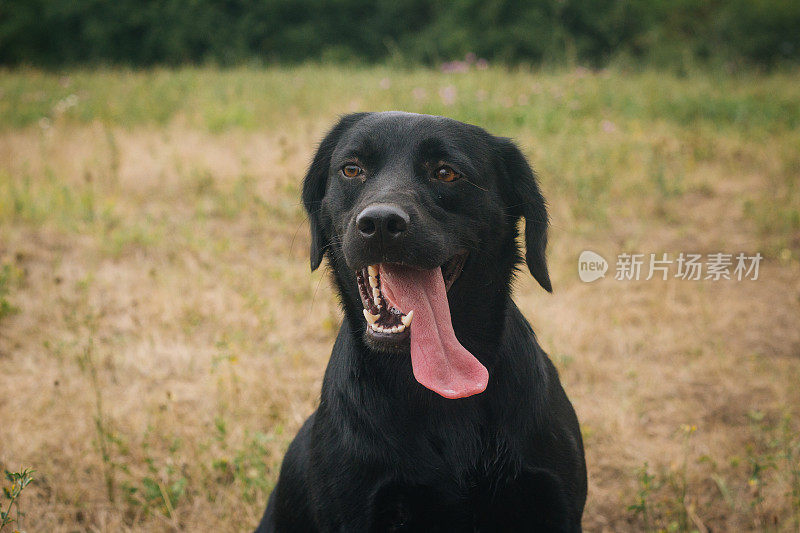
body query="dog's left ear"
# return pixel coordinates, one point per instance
(316, 182)
(523, 199)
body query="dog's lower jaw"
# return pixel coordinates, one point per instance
(403, 347)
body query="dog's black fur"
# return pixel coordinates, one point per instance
(383, 453)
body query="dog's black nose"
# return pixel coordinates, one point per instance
(382, 222)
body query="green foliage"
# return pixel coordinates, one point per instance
(59, 32)
(18, 480)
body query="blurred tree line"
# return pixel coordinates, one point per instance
(54, 33)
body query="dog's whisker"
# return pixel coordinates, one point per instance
(475, 185)
(294, 235)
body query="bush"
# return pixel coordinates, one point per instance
(130, 32)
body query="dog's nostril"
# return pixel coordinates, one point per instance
(396, 224)
(366, 225)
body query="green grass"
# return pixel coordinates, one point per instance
(252, 98)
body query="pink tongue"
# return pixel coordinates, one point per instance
(440, 362)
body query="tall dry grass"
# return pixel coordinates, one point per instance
(161, 337)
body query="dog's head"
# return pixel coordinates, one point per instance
(418, 217)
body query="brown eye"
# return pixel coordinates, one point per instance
(445, 173)
(351, 171)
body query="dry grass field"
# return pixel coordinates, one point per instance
(162, 338)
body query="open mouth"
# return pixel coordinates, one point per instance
(385, 319)
(407, 303)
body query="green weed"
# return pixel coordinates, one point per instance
(642, 507)
(9, 277)
(161, 489)
(248, 467)
(18, 480)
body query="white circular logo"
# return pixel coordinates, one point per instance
(591, 266)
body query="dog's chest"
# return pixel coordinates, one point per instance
(446, 498)
(459, 470)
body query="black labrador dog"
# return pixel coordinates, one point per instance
(439, 410)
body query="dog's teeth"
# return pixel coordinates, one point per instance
(406, 320)
(401, 328)
(370, 317)
(395, 330)
(375, 327)
(372, 271)
(373, 281)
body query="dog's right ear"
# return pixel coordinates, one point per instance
(316, 182)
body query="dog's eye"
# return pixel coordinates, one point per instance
(445, 173)
(352, 171)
